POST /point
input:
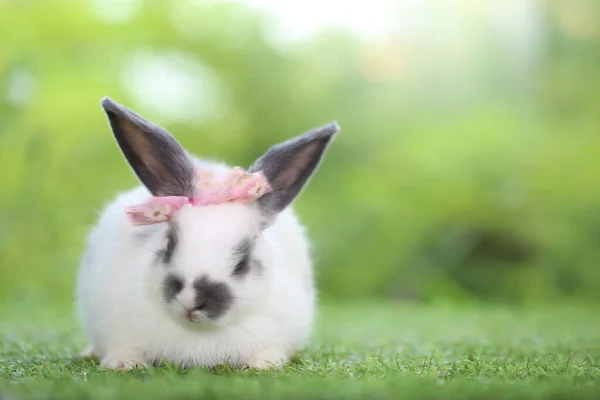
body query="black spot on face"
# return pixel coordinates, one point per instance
(214, 298)
(172, 239)
(172, 285)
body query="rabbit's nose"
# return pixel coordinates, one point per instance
(190, 315)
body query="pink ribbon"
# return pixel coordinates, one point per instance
(236, 186)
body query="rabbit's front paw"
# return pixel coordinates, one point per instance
(122, 363)
(267, 359)
(89, 354)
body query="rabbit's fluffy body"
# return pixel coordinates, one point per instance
(132, 317)
(119, 299)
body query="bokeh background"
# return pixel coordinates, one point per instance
(467, 169)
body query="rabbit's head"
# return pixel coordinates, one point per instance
(211, 258)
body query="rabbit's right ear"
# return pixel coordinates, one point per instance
(157, 158)
(289, 165)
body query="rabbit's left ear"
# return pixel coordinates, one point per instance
(157, 158)
(289, 165)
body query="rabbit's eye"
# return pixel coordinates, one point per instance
(172, 239)
(242, 267)
(242, 253)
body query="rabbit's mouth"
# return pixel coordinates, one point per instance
(196, 316)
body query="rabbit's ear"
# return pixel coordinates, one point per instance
(289, 165)
(158, 160)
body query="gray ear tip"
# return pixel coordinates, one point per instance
(108, 104)
(334, 126)
(329, 129)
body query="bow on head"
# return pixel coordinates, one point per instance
(236, 186)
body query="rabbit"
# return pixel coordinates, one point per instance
(222, 283)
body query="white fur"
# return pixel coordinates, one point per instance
(127, 321)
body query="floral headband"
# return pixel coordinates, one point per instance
(236, 186)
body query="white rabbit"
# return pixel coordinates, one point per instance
(228, 283)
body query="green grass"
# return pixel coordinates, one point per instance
(359, 351)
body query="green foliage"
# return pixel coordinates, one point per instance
(449, 180)
(419, 352)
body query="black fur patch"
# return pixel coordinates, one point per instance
(171, 286)
(172, 239)
(214, 298)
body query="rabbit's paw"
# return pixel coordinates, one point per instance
(89, 353)
(268, 359)
(122, 363)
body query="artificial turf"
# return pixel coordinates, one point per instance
(362, 350)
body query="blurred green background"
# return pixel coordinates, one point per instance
(467, 168)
